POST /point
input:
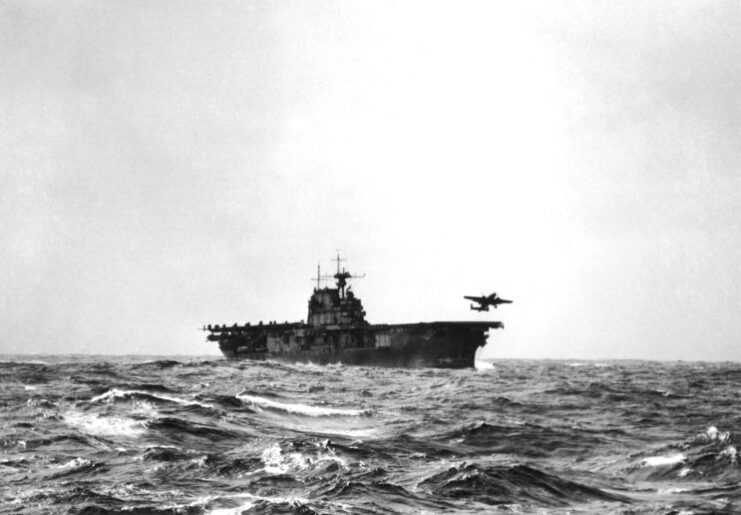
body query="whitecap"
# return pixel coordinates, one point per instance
(208, 499)
(116, 393)
(660, 461)
(108, 396)
(74, 464)
(277, 462)
(673, 490)
(301, 409)
(248, 501)
(22, 362)
(231, 511)
(364, 432)
(144, 409)
(104, 425)
(729, 451)
(713, 434)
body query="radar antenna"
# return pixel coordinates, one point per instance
(342, 276)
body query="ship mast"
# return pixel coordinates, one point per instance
(318, 276)
(338, 259)
(342, 276)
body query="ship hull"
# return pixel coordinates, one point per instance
(434, 344)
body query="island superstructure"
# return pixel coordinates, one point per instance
(336, 331)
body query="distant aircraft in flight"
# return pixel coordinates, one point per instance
(487, 300)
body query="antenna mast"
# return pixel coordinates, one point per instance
(342, 276)
(338, 259)
(318, 276)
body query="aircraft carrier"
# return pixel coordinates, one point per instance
(336, 331)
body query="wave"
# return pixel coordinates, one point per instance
(236, 504)
(174, 427)
(15, 363)
(513, 485)
(233, 504)
(227, 404)
(166, 453)
(74, 466)
(392, 497)
(158, 363)
(21, 463)
(662, 461)
(118, 394)
(150, 387)
(531, 440)
(248, 505)
(707, 455)
(301, 409)
(105, 425)
(73, 495)
(278, 462)
(535, 436)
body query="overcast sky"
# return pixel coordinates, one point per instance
(169, 164)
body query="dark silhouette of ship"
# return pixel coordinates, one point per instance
(336, 332)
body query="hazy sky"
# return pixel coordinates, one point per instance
(169, 164)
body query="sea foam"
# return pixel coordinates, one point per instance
(483, 365)
(116, 393)
(104, 425)
(231, 511)
(660, 461)
(301, 409)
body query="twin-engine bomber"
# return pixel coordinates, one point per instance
(336, 332)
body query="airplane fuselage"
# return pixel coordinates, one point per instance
(485, 301)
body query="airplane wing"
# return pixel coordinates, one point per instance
(475, 299)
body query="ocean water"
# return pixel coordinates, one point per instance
(208, 436)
